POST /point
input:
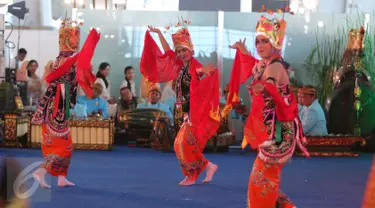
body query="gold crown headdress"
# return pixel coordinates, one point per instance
(274, 28)
(69, 36)
(356, 39)
(182, 38)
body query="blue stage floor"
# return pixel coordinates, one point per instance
(143, 178)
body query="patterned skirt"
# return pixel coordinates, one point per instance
(178, 116)
(264, 186)
(189, 152)
(57, 152)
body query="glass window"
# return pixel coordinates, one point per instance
(203, 38)
(153, 5)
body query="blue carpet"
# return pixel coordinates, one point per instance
(143, 178)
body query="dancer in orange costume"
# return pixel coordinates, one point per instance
(273, 126)
(369, 200)
(197, 98)
(71, 67)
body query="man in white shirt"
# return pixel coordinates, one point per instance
(19, 59)
(20, 64)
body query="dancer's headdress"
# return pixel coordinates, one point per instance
(69, 37)
(182, 38)
(356, 39)
(273, 28)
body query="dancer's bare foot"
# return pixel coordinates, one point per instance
(39, 176)
(210, 172)
(187, 182)
(63, 182)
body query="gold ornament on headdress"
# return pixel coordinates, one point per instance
(355, 39)
(181, 38)
(274, 28)
(69, 35)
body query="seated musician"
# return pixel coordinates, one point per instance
(312, 115)
(154, 97)
(96, 104)
(127, 102)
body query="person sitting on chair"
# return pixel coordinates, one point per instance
(96, 104)
(154, 96)
(126, 102)
(312, 115)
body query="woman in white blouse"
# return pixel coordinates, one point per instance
(101, 78)
(35, 86)
(129, 80)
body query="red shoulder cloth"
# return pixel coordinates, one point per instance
(255, 130)
(204, 104)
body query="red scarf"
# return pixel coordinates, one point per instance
(255, 130)
(204, 94)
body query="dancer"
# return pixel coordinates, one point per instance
(53, 109)
(197, 98)
(273, 126)
(369, 197)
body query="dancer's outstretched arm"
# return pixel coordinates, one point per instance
(156, 66)
(242, 70)
(163, 42)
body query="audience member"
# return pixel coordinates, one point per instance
(20, 64)
(312, 115)
(96, 104)
(127, 102)
(129, 80)
(35, 86)
(154, 102)
(101, 76)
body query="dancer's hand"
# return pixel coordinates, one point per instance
(240, 45)
(208, 69)
(154, 29)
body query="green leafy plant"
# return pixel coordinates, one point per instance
(368, 60)
(324, 60)
(326, 57)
